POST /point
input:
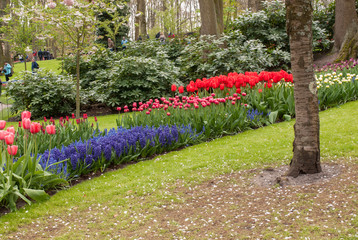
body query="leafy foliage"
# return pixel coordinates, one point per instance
(43, 93)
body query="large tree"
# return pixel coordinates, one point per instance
(4, 46)
(211, 12)
(255, 5)
(346, 30)
(306, 145)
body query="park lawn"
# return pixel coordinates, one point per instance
(53, 65)
(123, 201)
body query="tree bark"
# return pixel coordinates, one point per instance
(306, 145)
(5, 54)
(208, 17)
(346, 15)
(78, 101)
(141, 8)
(219, 10)
(255, 5)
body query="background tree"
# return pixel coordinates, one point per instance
(306, 145)
(112, 23)
(346, 30)
(255, 5)
(4, 46)
(211, 12)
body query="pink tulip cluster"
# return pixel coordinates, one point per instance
(181, 103)
(8, 137)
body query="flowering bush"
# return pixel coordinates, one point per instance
(33, 90)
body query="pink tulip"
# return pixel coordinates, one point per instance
(3, 134)
(11, 129)
(25, 114)
(9, 139)
(51, 129)
(2, 124)
(26, 123)
(12, 150)
(35, 127)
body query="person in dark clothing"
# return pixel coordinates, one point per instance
(40, 54)
(34, 65)
(157, 35)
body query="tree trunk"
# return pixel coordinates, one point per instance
(208, 18)
(78, 78)
(142, 18)
(346, 15)
(255, 5)
(5, 54)
(219, 10)
(346, 30)
(306, 145)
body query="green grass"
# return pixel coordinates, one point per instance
(268, 146)
(52, 65)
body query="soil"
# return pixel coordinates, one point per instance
(323, 59)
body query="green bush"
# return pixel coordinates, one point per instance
(43, 93)
(135, 79)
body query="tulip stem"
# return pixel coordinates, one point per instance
(49, 153)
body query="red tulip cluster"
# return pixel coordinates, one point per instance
(182, 103)
(237, 80)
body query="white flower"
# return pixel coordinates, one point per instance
(68, 2)
(52, 5)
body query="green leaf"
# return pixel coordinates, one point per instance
(273, 117)
(37, 195)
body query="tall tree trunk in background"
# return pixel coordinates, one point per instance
(141, 8)
(5, 54)
(136, 23)
(346, 30)
(306, 145)
(255, 5)
(219, 10)
(208, 18)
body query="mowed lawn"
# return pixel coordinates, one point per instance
(150, 200)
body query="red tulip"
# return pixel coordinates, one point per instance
(9, 139)
(78, 121)
(260, 90)
(26, 123)
(73, 115)
(2, 124)
(181, 89)
(147, 112)
(51, 129)
(168, 113)
(85, 116)
(173, 88)
(45, 119)
(12, 150)
(222, 86)
(11, 129)
(35, 127)
(25, 114)
(95, 119)
(19, 124)
(119, 108)
(243, 94)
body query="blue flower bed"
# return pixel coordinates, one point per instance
(116, 146)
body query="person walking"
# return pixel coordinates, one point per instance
(110, 44)
(7, 71)
(34, 66)
(124, 42)
(40, 54)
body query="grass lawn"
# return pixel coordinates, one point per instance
(53, 65)
(204, 192)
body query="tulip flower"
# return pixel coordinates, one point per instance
(11, 129)
(19, 124)
(260, 90)
(9, 138)
(35, 127)
(77, 120)
(51, 129)
(85, 116)
(26, 123)
(119, 108)
(181, 89)
(12, 150)
(73, 115)
(168, 113)
(3, 134)
(45, 119)
(25, 114)
(95, 119)
(174, 88)
(2, 124)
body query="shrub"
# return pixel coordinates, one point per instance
(43, 93)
